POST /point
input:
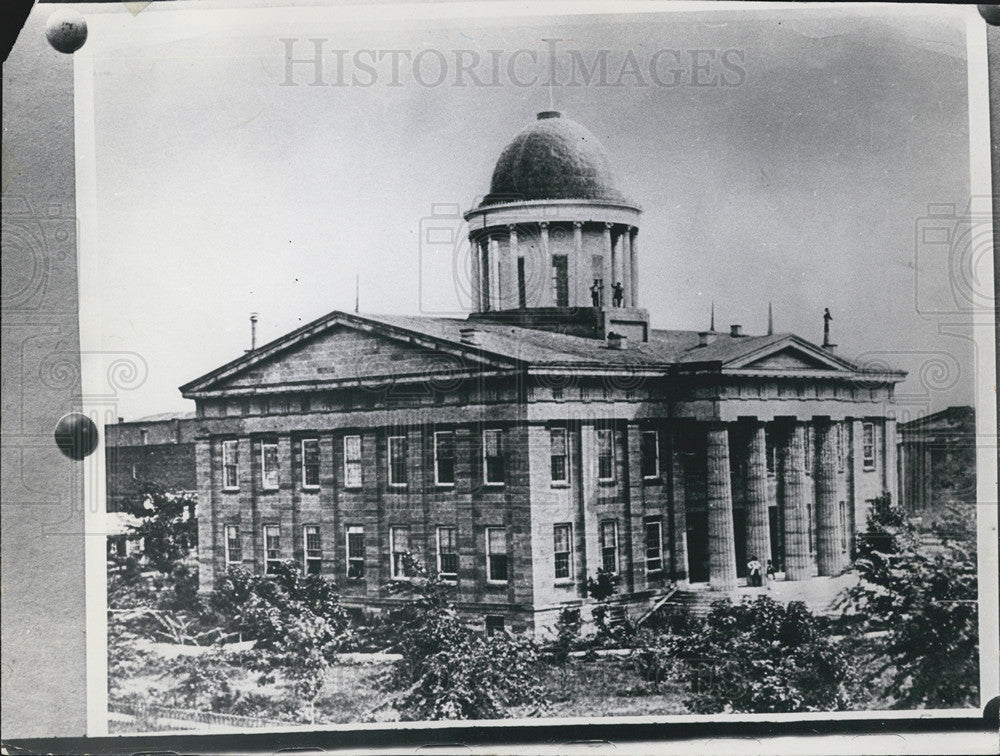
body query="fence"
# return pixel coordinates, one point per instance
(151, 711)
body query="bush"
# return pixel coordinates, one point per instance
(755, 656)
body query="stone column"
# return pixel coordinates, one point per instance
(609, 272)
(792, 487)
(475, 267)
(208, 548)
(627, 266)
(485, 291)
(581, 267)
(721, 542)
(829, 532)
(889, 480)
(634, 266)
(548, 298)
(679, 508)
(757, 503)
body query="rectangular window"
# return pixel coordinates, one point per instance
(310, 463)
(313, 549)
(355, 552)
(399, 548)
(650, 454)
(269, 464)
(272, 548)
(397, 460)
(234, 546)
(609, 546)
(230, 465)
(868, 445)
(654, 545)
(447, 553)
(493, 457)
(494, 624)
(496, 555)
(605, 454)
(444, 458)
(352, 461)
(562, 547)
(841, 447)
(559, 455)
(560, 280)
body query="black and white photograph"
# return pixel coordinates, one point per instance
(531, 363)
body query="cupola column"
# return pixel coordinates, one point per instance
(609, 272)
(548, 298)
(627, 266)
(512, 285)
(581, 271)
(633, 261)
(493, 270)
(475, 267)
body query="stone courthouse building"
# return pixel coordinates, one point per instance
(552, 434)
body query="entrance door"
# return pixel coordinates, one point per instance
(697, 543)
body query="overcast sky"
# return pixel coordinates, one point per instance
(798, 174)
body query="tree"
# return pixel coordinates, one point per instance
(917, 608)
(759, 656)
(167, 524)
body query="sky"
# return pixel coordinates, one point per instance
(786, 157)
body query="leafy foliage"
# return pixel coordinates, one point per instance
(758, 656)
(603, 587)
(922, 600)
(166, 524)
(449, 670)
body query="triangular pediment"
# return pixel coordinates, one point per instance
(342, 349)
(790, 355)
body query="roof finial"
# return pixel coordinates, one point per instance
(357, 292)
(711, 325)
(770, 320)
(827, 317)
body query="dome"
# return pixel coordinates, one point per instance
(553, 158)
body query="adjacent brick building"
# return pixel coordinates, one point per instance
(552, 433)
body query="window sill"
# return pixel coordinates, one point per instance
(496, 583)
(560, 484)
(444, 485)
(652, 479)
(448, 580)
(868, 468)
(270, 489)
(231, 490)
(311, 489)
(398, 486)
(607, 482)
(353, 488)
(563, 584)
(493, 485)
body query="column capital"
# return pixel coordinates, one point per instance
(543, 224)
(577, 224)
(608, 224)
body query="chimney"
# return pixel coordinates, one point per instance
(735, 330)
(617, 341)
(471, 336)
(705, 338)
(253, 331)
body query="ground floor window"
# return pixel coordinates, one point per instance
(355, 552)
(496, 555)
(494, 624)
(562, 546)
(399, 548)
(447, 548)
(654, 545)
(313, 549)
(234, 547)
(609, 546)
(272, 548)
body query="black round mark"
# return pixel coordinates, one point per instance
(991, 13)
(76, 435)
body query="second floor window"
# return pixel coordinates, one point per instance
(868, 446)
(272, 548)
(397, 460)
(493, 457)
(313, 549)
(444, 458)
(352, 461)
(355, 552)
(496, 555)
(650, 454)
(605, 454)
(559, 455)
(269, 464)
(447, 553)
(310, 462)
(230, 465)
(234, 546)
(609, 546)
(562, 547)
